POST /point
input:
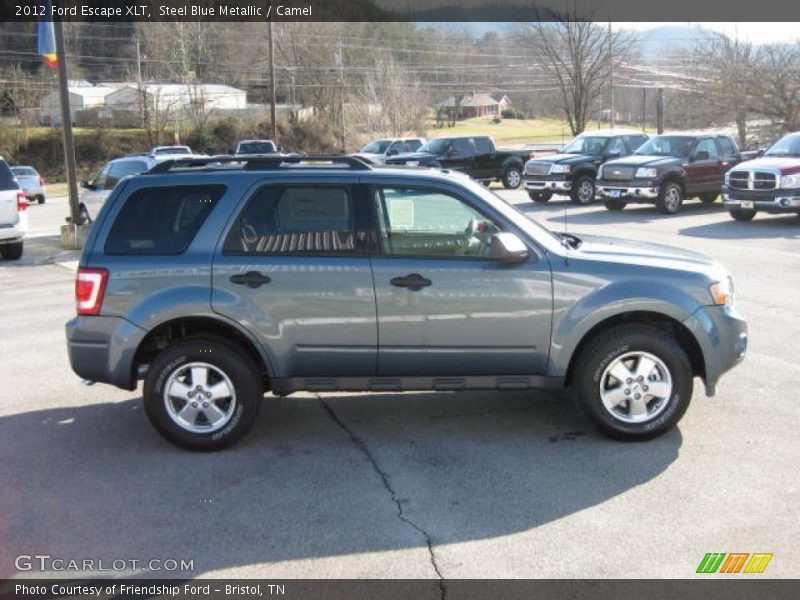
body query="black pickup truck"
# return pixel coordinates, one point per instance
(474, 155)
(669, 168)
(573, 170)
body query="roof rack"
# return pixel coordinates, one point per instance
(260, 162)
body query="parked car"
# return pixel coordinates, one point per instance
(220, 282)
(13, 214)
(250, 147)
(667, 169)
(100, 186)
(474, 155)
(173, 152)
(770, 183)
(574, 169)
(377, 151)
(33, 184)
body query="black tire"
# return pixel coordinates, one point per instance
(541, 197)
(580, 193)
(40, 199)
(590, 373)
(85, 218)
(670, 198)
(512, 177)
(248, 393)
(741, 214)
(486, 183)
(615, 205)
(709, 198)
(11, 251)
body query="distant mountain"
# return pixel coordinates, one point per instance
(658, 42)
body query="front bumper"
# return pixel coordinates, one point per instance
(543, 184)
(628, 191)
(772, 201)
(102, 349)
(722, 334)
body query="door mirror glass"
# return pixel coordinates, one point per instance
(85, 184)
(507, 247)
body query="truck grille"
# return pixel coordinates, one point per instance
(752, 180)
(618, 173)
(537, 168)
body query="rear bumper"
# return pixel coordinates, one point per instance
(16, 231)
(34, 191)
(645, 191)
(103, 348)
(722, 335)
(773, 201)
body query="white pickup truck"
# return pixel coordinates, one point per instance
(13, 214)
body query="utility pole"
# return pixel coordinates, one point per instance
(644, 108)
(611, 71)
(272, 110)
(660, 110)
(340, 60)
(66, 124)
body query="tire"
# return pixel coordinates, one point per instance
(741, 214)
(582, 192)
(512, 178)
(12, 251)
(85, 215)
(541, 197)
(615, 205)
(670, 198)
(623, 350)
(188, 425)
(40, 199)
(709, 198)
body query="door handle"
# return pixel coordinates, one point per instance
(413, 282)
(251, 279)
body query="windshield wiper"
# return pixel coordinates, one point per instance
(569, 240)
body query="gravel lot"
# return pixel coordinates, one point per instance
(450, 485)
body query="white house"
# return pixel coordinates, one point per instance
(81, 97)
(172, 97)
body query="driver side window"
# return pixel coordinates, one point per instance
(426, 223)
(707, 145)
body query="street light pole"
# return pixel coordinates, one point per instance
(66, 124)
(272, 111)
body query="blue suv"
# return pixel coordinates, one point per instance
(217, 280)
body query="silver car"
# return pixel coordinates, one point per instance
(31, 183)
(100, 186)
(377, 151)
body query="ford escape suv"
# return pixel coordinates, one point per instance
(218, 280)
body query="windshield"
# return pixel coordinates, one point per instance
(436, 146)
(667, 145)
(257, 148)
(24, 171)
(377, 146)
(592, 145)
(172, 150)
(786, 146)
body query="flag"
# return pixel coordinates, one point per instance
(47, 38)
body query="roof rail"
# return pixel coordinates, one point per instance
(260, 162)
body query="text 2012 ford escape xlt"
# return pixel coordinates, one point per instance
(217, 281)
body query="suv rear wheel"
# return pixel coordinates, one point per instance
(11, 251)
(634, 382)
(742, 215)
(202, 394)
(614, 204)
(670, 199)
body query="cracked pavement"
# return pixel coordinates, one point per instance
(429, 486)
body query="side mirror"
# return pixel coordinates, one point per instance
(507, 247)
(86, 185)
(701, 155)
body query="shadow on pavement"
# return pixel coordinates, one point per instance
(634, 213)
(761, 227)
(42, 250)
(97, 481)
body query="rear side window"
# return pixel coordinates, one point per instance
(7, 181)
(162, 220)
(296, 220)
(413, 145)
(726, 148)
(483, 145)
(123, 169)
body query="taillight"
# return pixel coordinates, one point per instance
(42, 182)
(90, 286)
(22, 202)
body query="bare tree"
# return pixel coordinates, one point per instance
(776, 79)
(579, 57)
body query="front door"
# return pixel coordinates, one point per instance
(444, 306)
(704, 172)
(294, 270)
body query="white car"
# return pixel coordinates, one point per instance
(13, 214)
(377, 151)
(173, 152)
(251, 147)
(31, 183)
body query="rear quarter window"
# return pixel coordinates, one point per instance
(161, 220)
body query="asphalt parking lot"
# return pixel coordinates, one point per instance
(449, 485)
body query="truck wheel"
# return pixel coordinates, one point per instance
(670, 199)
(40, 199)
(512, 177)
(582, 190)
(634, 382)
(614, 204)
(540, 196)
(709, 198)
(741, 214)
(202, 394)
(11, 251)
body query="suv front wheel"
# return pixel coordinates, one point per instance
(202, 394)
(634, 382)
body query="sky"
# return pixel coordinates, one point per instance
(753, 32)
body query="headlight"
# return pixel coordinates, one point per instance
(790, 181)
(722, 292)
(559, 168)
(646, 173)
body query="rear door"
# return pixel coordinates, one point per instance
(294, 270)
(8, 196)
